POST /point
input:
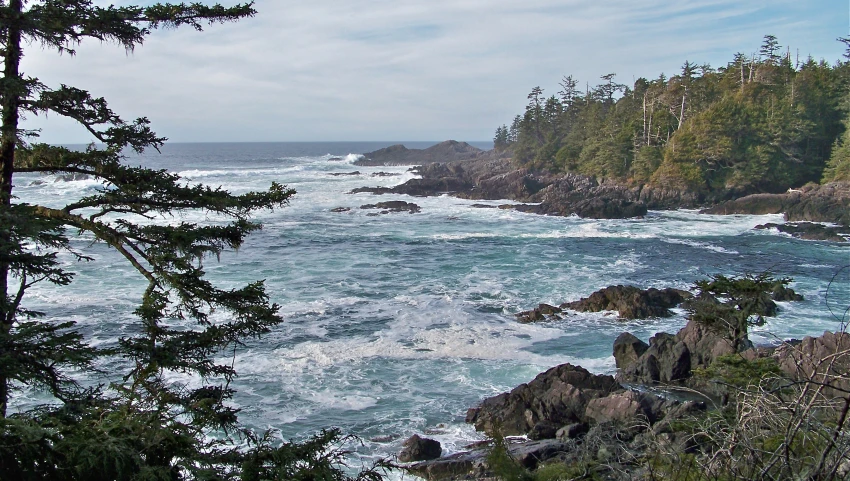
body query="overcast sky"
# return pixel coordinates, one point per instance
(410, 70)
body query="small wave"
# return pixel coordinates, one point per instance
(700, 245)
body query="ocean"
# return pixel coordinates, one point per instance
(396, 324)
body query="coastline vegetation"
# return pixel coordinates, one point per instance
(764, 122)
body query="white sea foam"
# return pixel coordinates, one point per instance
(700, 245)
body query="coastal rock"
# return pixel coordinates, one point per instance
(473, 464)
(416, 448)
(824, 359)
(810, 231)
(341, 209)
(631, 302)
(447, 151)
(625, 407)
(341, 174)
(393, 206)
(543, 312)
(558, 396)
(627, 349)
(572, 431)
(671, 359)
(810, 203)
(781, 293)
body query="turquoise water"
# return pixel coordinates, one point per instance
(396, 324)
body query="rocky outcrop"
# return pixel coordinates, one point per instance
(447, 151)
(824, 359)
(810, 231)
(393, 206)
(671, 358)
(631, 302)
(416, 448)
(811, 203)
(558, 396)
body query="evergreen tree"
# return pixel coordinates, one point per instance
(142, 426)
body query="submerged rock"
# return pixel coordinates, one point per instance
(393, 206)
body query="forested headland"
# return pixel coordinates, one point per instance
(764, 122)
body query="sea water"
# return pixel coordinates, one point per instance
(398, 323)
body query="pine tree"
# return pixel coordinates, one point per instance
(142, 426)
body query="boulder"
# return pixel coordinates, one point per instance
(340, 209)
(625, 407)
(627, 349)
(416, 448)
(558, 396)
(631, 302)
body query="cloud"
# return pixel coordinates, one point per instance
(409, 70)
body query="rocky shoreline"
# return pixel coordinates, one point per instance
(463, 171)
(611, 425)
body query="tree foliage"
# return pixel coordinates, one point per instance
(144, 425)
(762, 123)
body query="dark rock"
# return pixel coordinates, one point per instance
(384, 174)
(339, 174)
(416, 448)
(341, 209)
(558, 396)
(473, 464)
(483, 206)
(544, 312)
(631, 302)
(393, 206)
(371, 190)
(38, 182)
(336, 159)
(755, 204)
(810, 203)
(450, 467)
(627, 349)
(447, 151)
(809, 231)
(543, 430)
(785, 294)
(572, 431)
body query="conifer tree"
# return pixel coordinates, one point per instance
(143, 425)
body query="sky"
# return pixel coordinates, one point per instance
(350, 70)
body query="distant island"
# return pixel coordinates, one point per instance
(398, 154)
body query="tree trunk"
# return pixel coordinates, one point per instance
(11, 100)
